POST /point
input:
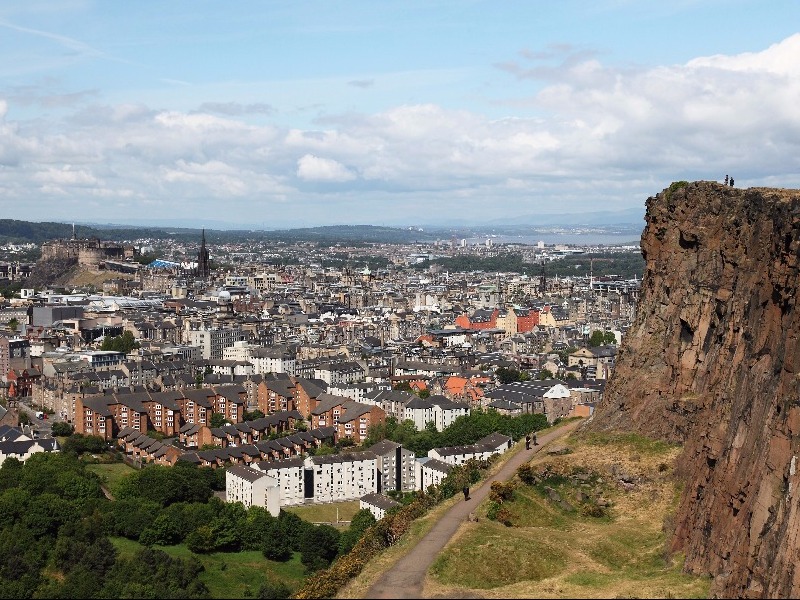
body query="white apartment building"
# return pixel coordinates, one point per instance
(356, 391)
(446, 411)
(239, 351)
(289, 476)
(213, 341)
(338, 477)
(252, 488)
(396, 465)
(339, 373)
(430, 471)
(494, 443)
(420, 411)
(273, 360)
(377, 504)
(264, 360)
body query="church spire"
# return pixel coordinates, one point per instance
(203, 269)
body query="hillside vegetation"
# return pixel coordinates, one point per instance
(584, 519)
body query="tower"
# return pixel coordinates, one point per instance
(542, 280)
(203, 270)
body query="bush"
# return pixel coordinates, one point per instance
(491, 512)
(526, 474)
(273, 590)
(62, 429)
(501, 492)
(505, 517)
(590, 509)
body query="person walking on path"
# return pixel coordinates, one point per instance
(528, 442)
(535, 440)
(406, 577)
(466, 492)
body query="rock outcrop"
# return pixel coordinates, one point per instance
(713, 362)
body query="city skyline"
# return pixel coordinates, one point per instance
(293, 114)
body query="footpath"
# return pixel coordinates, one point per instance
(406, 577)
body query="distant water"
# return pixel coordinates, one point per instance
(571, 238)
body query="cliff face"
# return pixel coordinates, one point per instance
(713, 362)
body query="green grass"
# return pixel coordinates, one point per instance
(326, 513)
(230, 574)
(529, 510)
(554, 552)
(515, 556)
(111, 473)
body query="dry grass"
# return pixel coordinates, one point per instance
(327, 513)
(360, 585)
(553, 553)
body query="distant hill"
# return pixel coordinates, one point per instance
(13, 231)
(20, 232)
(362, 233)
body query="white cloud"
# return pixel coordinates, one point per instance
(315, 168)
(601, 137)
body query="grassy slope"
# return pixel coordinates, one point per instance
(111, 473)
(549, 552)
(231, 574)
(234, 574)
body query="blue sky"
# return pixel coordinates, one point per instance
(298, 113)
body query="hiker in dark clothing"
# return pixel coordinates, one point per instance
(466, 492)
(528, 442)
(726, 180)
(731, 181)
(535, 441)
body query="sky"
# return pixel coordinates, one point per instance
(270, 114)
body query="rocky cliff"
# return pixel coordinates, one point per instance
(713, 362)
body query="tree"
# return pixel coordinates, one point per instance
(545, 374)
(362, 520)
(252, 416)
(62, 429)
(121, 343)
(601, 338)
(508, 375)
(403, 386)
(217, 420)
(79, 444)
(319, 545)
(273, 590)
(13, 323)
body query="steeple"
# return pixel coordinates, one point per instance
(203, 269)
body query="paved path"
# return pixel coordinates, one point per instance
(405, 578)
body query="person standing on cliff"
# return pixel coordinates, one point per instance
(726, 180)
(731, 181)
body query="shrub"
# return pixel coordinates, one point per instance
(62, 429)
(526, 474)
(501, 492)
(273, 590)
(491, 513)
(504, 516)
(590, 509)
